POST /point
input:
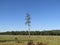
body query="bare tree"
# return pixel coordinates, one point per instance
(28, 22)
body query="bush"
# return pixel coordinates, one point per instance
(40, 43)
(30, 43)
(16, 39)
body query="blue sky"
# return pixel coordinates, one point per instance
(45, 14)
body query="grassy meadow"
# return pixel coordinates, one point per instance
(23, 39)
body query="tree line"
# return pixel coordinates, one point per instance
(52, 32)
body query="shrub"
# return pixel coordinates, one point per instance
(40, 43)
(16, 39)
(30, 43)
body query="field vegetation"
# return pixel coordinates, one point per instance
(24, 40)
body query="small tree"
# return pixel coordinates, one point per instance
(28, 23)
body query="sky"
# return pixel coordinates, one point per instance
(45, 15)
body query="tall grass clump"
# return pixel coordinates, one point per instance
(30, 43)
(16, 39)
(40, 43)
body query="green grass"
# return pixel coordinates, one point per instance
(10, 39)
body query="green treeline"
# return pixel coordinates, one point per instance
(52, 32)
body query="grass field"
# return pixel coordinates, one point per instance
(10, 39)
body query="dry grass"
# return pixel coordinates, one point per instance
(23, 40)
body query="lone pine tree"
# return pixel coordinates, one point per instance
(28, 22)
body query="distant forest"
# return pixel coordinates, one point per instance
(52, 32)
